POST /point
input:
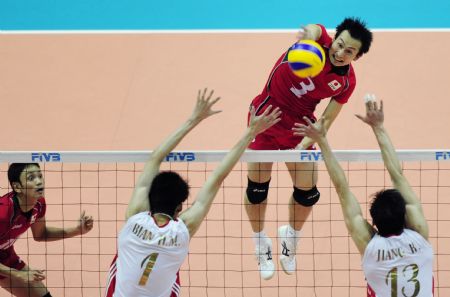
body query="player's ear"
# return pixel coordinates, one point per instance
(17, 187)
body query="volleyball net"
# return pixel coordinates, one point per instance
(221, 260)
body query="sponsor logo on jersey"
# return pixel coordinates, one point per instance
(33, 218)
(16, 227)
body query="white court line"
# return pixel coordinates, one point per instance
(218, 31)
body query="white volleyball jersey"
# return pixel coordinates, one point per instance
(399, 265)
(149, 256)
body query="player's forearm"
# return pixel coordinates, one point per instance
(305, 143)
(388, 153)
(329, 115)
(8, 272)
(56, 233)
(234, 155)
(335, 170)
(350, 206)
(212, 185)
(163, 150)
(173, 140)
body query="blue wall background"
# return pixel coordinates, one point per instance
(217, 14)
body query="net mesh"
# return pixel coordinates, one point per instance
(221, 261)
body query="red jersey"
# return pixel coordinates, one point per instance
(301, 95)
(14, 222)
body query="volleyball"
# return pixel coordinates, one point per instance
(306, 58)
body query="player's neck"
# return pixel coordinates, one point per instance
(161, 218)
(25, 204)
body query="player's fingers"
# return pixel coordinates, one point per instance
(214, 101)
(360, 117)
(274, 121)
(275, 113)
(83, 214)
(204, 93)
(369, 97)
(252, 111)
(38, 277)
(308, 121)
(210, 95)
(266, 112)
(381, 105)
(375, 105)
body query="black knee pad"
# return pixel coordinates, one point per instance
(47, 295)
(306, 198)
(257, 192)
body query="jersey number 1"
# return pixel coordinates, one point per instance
(148, 268)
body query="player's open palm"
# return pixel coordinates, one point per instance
(374, 112)
(262, 122)
(203, 108)
(315, 131)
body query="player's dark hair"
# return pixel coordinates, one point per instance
(167, 192)
(14, 171)
(388, 212)
(358, 30)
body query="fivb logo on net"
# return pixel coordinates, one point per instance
(180, 157)
(310, 156)
(444, 155)
(45, 157)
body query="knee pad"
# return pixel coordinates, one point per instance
(257, 192)
(47, 295)
(306, 198)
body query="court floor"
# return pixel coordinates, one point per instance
(127, 91)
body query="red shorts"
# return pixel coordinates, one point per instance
(111, 283)
(9, 258)
(280, 136)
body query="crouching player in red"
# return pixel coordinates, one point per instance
(22, 208)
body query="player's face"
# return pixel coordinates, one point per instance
(344, 49)
(32, 182)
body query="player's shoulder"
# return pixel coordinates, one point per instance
(6, 205)
(41, 201)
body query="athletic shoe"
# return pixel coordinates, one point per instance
(263, 254)
(288, 248)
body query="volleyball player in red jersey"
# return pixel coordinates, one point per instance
(298, 97)
(22, 208)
